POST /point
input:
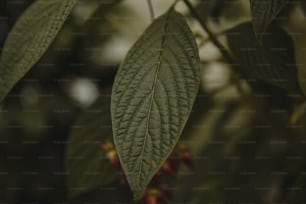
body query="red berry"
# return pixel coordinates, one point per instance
(188, 160)
(107, 146)
(151, 199)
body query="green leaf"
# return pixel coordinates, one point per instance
(30, 38)
(271, 62)
(264, 13)
(152, 97)
(86, 162)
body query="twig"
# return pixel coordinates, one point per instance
(211, 36)
(151, 9)
(227, 56)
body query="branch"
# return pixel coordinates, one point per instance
(227, 56)
(222, 49)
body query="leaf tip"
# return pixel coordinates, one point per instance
(137, 195)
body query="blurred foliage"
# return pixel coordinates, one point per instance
(36, 116)
(245, 148)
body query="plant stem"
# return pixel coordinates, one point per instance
(151, 9)
(227, 56)
(211, 36)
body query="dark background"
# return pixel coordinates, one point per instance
(244, 151)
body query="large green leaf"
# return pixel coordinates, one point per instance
(271, 62)
(86, 162)
(264, 12)
(152, 97)
(30, 38)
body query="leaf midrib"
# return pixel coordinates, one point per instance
(152, 95)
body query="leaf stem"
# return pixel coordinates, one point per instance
(151, 9)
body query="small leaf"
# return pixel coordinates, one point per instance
(30, 38)
(271, 62)
(86, 162)
(152, 97)
(264, 12)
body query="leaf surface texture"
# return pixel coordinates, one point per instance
(29, 39)
(152, 97)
